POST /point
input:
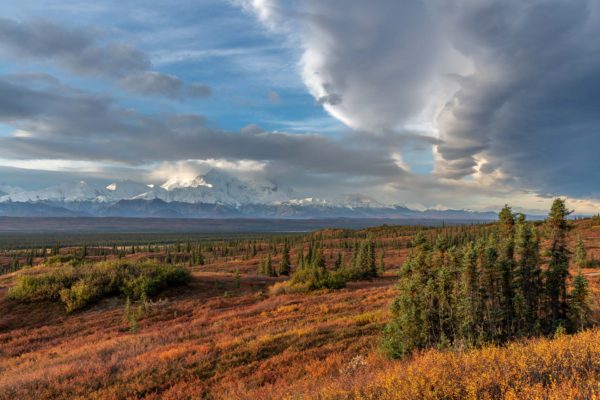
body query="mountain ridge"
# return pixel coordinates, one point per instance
(215, 194)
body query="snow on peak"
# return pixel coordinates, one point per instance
(219, 187)
(5, 189)
(180, 183)
(214, 187)
(359, 201)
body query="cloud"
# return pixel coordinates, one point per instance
(60, 122)
(530, 108)
(153, 83)
(198, 91)
(86, 52)
(509, 89)
(273, 96)
(77, 131)
(76, 49)
(372, 67)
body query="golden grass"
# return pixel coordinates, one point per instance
(565, 368)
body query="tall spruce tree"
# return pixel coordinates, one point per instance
(528, 275)
(269, 270)
(580, 254)
(579, 304)
(558, 265)
(507, 265)
(285, 265)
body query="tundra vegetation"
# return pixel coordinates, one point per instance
(486, 311)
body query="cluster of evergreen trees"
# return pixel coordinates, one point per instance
(265, 267)
(489, 289)
(312, 272)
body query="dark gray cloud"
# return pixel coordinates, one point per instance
(59, 122)
(153, 83)
(76, 49)
(87, 52)
(531, 107)
(198, 90)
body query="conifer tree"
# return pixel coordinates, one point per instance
(285, 265)
(558, 265)
(460, 290)
(408, 327)
(579, 307)
(262, 267)
(580, 254)
(269, 271)
(339, 262)
(529, 274)
(507, 266)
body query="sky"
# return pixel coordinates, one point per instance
(426, 103)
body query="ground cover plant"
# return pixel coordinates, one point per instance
(229, 334)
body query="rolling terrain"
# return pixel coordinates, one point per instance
(224, 336)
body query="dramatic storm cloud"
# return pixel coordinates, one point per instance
(509, 87)
(460, 103)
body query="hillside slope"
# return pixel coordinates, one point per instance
(221, 338)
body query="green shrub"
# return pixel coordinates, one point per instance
(78, 287)
(64, 259)
(153, 279)
(79, 295)
(31, 288)
(335, 280)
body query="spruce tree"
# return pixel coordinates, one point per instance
(558, 265)
(262, 267)
(528, 274)
(269, 270)
(339, 262)
(580, 254)
(507, 266)
(285, 265)
(409, 326)
(579, 307)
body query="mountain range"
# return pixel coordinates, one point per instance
(215, 194)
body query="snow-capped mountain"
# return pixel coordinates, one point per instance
(218, 187)
(5, 189)
(179, 183)
(80, 191)
(125, 190)
(360, 201)
(214, 187)
(215, 194)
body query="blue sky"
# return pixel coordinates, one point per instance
(421, 102)
(212, 42)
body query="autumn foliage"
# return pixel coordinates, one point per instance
(223, 336)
